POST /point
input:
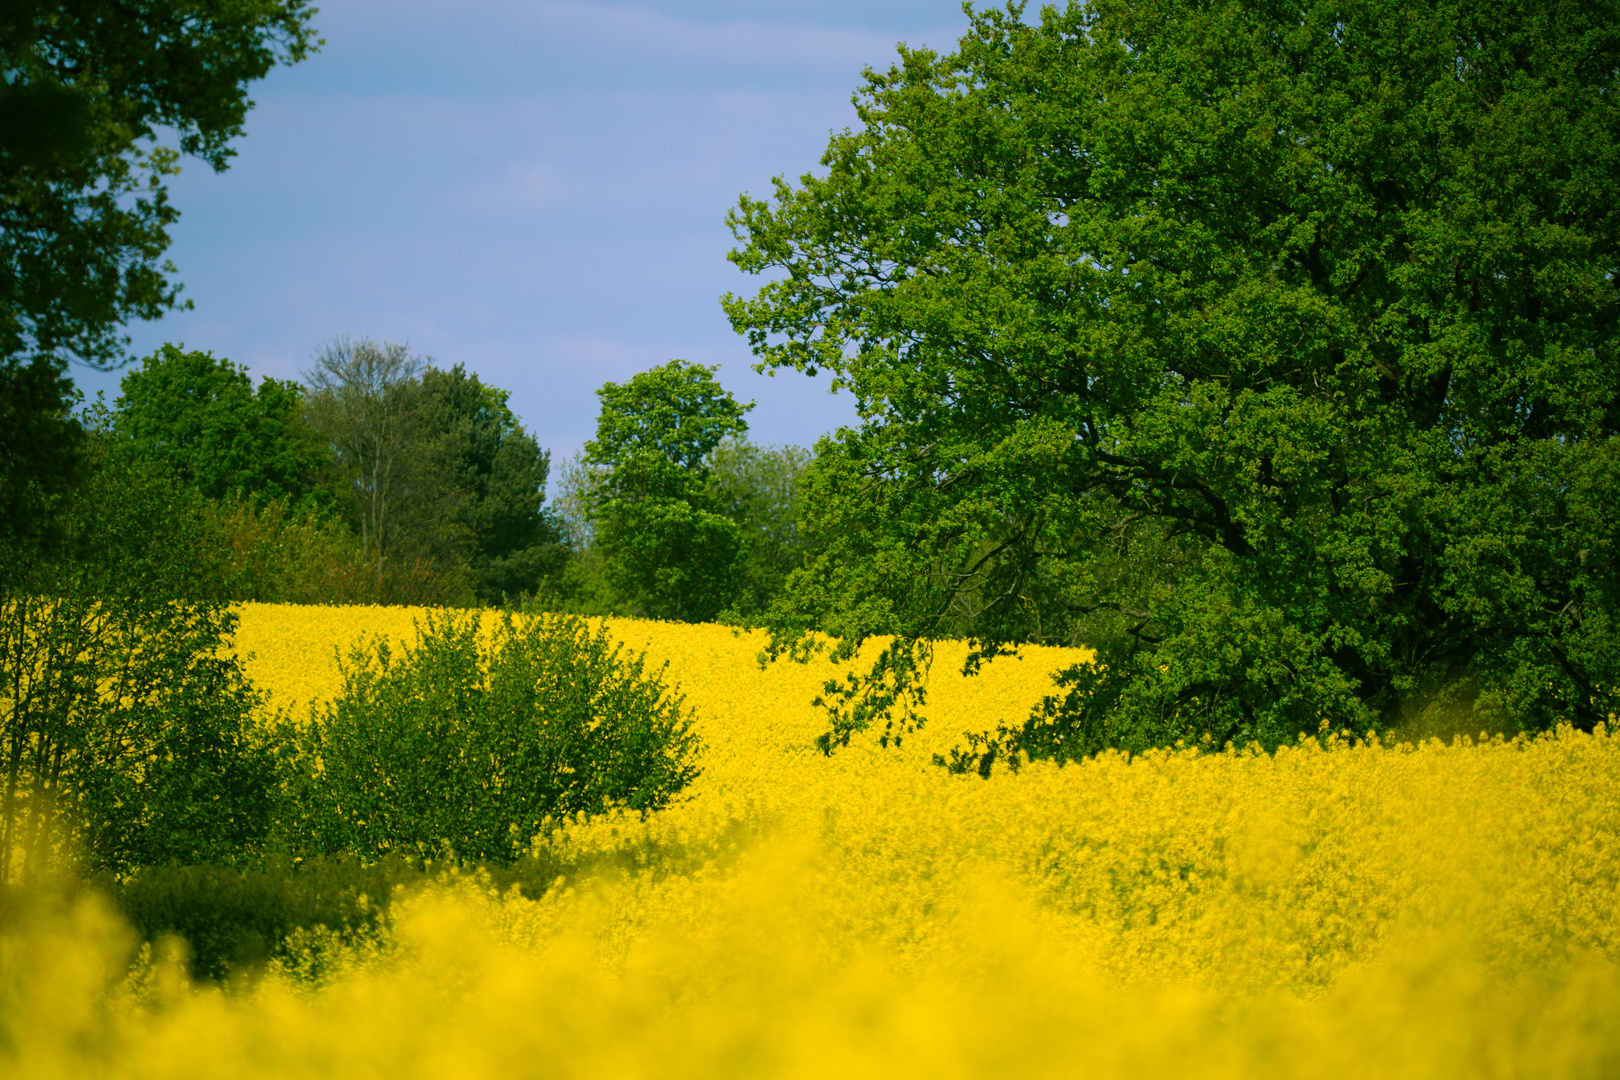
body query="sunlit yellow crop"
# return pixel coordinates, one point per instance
(1338, 911)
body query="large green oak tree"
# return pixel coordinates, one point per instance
(1270, 348)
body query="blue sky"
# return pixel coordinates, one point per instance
(535, 190)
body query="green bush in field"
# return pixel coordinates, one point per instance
(126, 721)
(469, 743)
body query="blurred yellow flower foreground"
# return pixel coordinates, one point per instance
(1445, 911)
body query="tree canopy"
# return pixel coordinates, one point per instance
(677, 411)
(667, 545)
(364, 399)
(1271, 349)
(440, 481)
(200, 419)
(92, 90)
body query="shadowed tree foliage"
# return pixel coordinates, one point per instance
(499, 473)
(85, 86)
(126, 729)
(122, 730)
(366, 401)
(1271, 348)
(441, 483)
(755, 487)
(40, 457)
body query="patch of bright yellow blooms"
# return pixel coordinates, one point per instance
(1338, 911)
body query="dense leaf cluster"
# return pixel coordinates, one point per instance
(676, 513)
(459, 745)
(1272, 349)
(86, 86)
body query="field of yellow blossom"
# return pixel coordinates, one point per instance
(1329, 911)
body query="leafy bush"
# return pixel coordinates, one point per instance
(125, 719)
(472, 746)
(270, 552)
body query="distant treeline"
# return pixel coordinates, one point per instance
(384, 478)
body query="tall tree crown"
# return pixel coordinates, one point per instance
(87, 88)
(677, 411)
(1274, 348)
(199, 419)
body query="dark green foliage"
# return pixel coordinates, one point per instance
(663, 548)
(200, 420)
(269, 553)
(1274, 351)
(666, 545)
(84, 213)
(499, 473)
(474, 745)
(170, 769)
(234, 919)
(126, 733)
(581, 587)
(440, 484)
(41, 455)
(42, 122)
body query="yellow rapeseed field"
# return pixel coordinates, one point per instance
(1337, 911)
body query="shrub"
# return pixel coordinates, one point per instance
(471, 745)
(126, 722)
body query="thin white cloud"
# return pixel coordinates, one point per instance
(638, 30)
(649, 31)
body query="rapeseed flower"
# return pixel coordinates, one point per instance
(1333, 909)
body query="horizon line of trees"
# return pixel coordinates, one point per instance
(381, 477)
